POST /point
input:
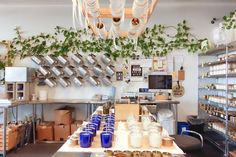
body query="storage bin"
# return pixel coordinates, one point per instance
(167, 120)
(182, 126)
(196, 124)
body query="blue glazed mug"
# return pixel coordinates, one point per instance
(90, 130)
(85, 139)
(94, 130)
(96, 121)
(92, 125)
(106, 139)
(109, 129)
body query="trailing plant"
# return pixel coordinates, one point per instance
(229, 22)
(155, 41)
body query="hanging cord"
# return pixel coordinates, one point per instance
(79, 13)
(74, 5)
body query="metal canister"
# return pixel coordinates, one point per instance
(109, 70)
(106, 59)
(83, 70)
(107, 80)
(91, 59)
(50, 82)
(57, 70)
(44, 70)
(37, 59)
(50, 59)
(64, 81)
(78, 81)
(77, 58)
(97, 69)
(69, 70)
(63, 60)
(93, 80)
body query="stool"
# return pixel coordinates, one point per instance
(188, 143)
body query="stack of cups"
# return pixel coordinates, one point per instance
(90, 131)
(108, 131)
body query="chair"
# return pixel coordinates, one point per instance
(187, 142)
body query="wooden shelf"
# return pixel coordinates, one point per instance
(105, 12)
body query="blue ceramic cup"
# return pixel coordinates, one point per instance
(85, 139)
(106, 139)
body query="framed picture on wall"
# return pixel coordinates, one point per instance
(119, 76)
(136, 70)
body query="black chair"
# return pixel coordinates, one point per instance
(188, 142)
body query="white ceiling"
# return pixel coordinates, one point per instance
(102, 2)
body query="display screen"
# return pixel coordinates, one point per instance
(160, 81)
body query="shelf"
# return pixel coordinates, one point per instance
(218, 76)
(208, 64)
(220, 50)
(216, 139)
(217, 90)
(222, 105)
(223, 134)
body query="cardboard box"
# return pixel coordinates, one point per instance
(45, 131)
(61, 132)
(10, 139)
(122, 111)
(64, 115)
(75, 125)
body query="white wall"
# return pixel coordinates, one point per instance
(34, 19)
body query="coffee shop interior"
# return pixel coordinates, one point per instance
(122, 78)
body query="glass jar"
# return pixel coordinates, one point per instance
(155, 139)
(136, 139)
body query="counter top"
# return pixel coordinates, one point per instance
(159, 102)
(9, 103)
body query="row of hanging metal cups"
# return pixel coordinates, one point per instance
(69, 70)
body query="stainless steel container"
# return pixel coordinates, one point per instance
(50, 59)
(107, 80)
(69, 70)
(64, 81)
(50, 82)
(37, 59)
(57, 70)
(106, 59)
(91, 59)
(77, 58)
(63, 60)
(97, 69)
(78, 81)
(93, 80)
(44, 70)
(110, 70)
(83, 71)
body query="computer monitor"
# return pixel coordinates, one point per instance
(160, 81)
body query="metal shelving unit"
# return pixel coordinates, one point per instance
(210, 59)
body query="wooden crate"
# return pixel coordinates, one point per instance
(122, 111)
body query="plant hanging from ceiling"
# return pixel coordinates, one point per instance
(155, 41)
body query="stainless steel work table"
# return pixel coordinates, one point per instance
(6, 104)
(172, 104)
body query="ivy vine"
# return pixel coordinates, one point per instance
(155, 41)
(229, 22)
